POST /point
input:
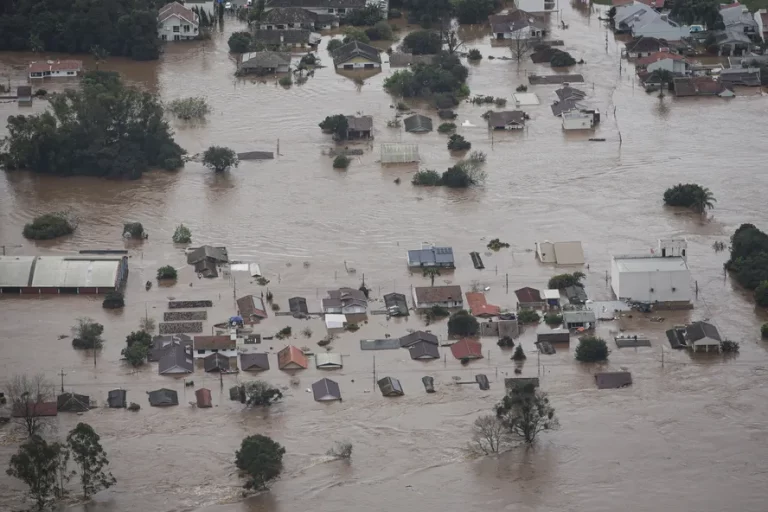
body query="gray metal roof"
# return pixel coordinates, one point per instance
(431, 256)
(506, 118)
(277, 37)
(326, 390)
(424, 350)
(256, 60)
(417, 124)
(254, 361)
(576, 294)
(177, 359)
(398, 301)
(700, 330)
(354, 49)
(328, 360)
(567, 92)
(298, 305)
(161, 345)
(390, 386)
(117, 398)
(218, 254)
(75, 272)
(613, 380)
(415, 337)
(561, 336)
(359, 123)
(281, 15)
(216, 362)
(162, 397)
(16, 271)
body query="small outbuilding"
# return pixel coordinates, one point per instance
(390, 386)
(396, 304)
(335, 321)
(359, 127)
(429, 384)
(467, 348)
(703, 336)
(399, 153)
(263, 63)
(423, 350)
(556, 336)
(72, 402)
(417, 124)
(163, 397)
(216, 363)
(613, 380)
(24, 95)
(417, 336)
(254, 362)
(506, 120)
(328, 361)
(551, 297)
(298, 306)
(529, 298)
(117, 398)
(291, 358)
(573, 319)
(483, 382)
(326, 390)
(203, 396)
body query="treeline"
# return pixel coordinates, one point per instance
(429, 12)
(122, 27)
(749, 261)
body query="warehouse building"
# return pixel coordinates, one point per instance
(77, 274)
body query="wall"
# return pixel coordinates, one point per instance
(358, 63)
(577, 123)
(203, 6)
(530, 5)
(228, 353)
(673, 66)
(637, 286)
(166, 29)
(661, 30)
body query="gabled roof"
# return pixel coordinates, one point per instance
(324, 4)
(656, 4)
(176, 9)
(655, 57)
(217, 254)
(223, 342)
(414, 337)
(117, 398)
(326, 390)
(697, 86)
(478, 306)
(354, 49)
(424, 350)
(417, 124)
(59, 65)
(426, 294)
(645, 44)
(266, 59)
(390, 386)
(431, 256)
(278, 37)
(162, 397)
(396, 301)
(254, 361)
(568, 92)
(514, 21)
(467, 348)
(298, 305)
(328, 360)
(291, 358)
(700, 330)
(72, 402)
(251, 306)
(360, 124)
(528, 295)
(203, 397)
(285, 15)
(162, 344)
(613, 380)
(216, 362)
(506, 118)
(176, 359)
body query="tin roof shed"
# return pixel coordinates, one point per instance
(291, 358)
(390, 386)
(326, 390)
(163, 397)
(203, 396)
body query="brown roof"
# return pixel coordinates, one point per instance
(175, 8)
(291, 358)
(467, 348)
(203, 396)
(528, 295)
(59, 65)
(655, 57)
(478, 305)
(37, 409)
(438, 293)
(214, 343)
(248, 306)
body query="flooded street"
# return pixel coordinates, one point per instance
(689, 434)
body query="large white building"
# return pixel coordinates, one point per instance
(662, 276)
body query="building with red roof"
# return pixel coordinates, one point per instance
(479, 307)
(467, 348)
(291, 358)
(55, 69)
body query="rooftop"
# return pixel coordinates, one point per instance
(655, 57)
(266, 59)
(58, 65)
(438, 293)
(176, 9)
(649, 263)
(278, 37)
(360, 123)
(528, 295)
(59, 271)
(334, 4)
(431, 256)
(506, 117)
(288, 15)
(214, 343)
(355, 49)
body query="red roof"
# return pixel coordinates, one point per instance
(203, 396)
(36, 409)
(467, 348)
(291, 358)
(655, 57)
(222, 342)
(59, 65)
(479, 307)
(528, 295)
(656, 4)
(175, 8)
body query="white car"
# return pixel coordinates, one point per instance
(228, 5)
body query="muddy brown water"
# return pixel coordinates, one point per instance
(688, 435)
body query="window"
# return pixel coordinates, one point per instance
(330, 11)
(368, 66)
(164, 37)
(176, 28)
(186, 28)
(70, 73)
(201, 351)
(177, 38)
(349, 66)
(214, 350)
(341, 11)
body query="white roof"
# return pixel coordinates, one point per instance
(328, 359)
(550, 294)
(569, 253)
(15, 270)
(526, 98)
(650, 264)
(73, 272)
(333, 321)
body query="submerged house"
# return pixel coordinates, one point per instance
(359, 127)
(163, 397)
(740, 76)
(423, 350)
(574, 318)
(291, 358)
(225, 345)
(478, 305)
(328, 361)
(176, 22)
(55, 69)
(561, 253)
(216, 362)
(296, 18)
(702, 336)
(163, 343)
(176, 359)
(298, 306)
(415, 337)
(117, 398)
(613, 380)
(417, 124)
(396, 304)
(576, 294)
(34, 409)
(345, 301)
(506, 120)
(251, 308)
(72, 402)
(700, 86)
(326, 390)
(356, 55)
(529, 298)
(425, 297)
(431, 256)
(254, 362)
(266, 63)
(467, 348)
(206, 259)
(390, 386)
(643, 47)
(517, 24)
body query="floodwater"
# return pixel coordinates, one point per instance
(689, 434)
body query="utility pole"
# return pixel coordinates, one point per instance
(62, 379)
(507, 284)
(374, 370)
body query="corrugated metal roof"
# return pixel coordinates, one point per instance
(67, 272)
(326, 390)
(650, 264)
(569, 253)
(328, 360)
(15, 271)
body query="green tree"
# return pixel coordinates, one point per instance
(48, 227)
(368, 15)
(239, 42)
(471, 12)
(337, 125)
(591, 349)
(528, 316)
(458, 143)
(99, 55)
(87, 334)
(690, 195)
(462, 324)
(219, 158)
(135, 354)
(189, 108)
(334, 45)
(427, 178)
(761, 294)
(259, 393)
(474, 54)
(113, 300)
(261, 459)
(561, 59)
(182, 235)
(431, 273)
(561, 281)
(553, 319)
(526, 412)
(355, 34)
(423, 42)
(90, 458)
(341, 162)
(36, 463)
(167, 272)
(429, 11)
(519, 354)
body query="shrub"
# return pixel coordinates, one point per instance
(285, 81)
(167, 272)
(506, 342)
(239, 42)
(519, 354)
(189, 108)
(761, 294)
(275, 306)
(113, 300)
(423, 42)
(591, 349)
(336, 124)
(368, 15)
(48, 227)
(182, 235)
(458, 143)
(341, 162)
(355, 34)
(463, 324)
(553, 319)
(437, 312)
(380, 31)
(729, 346)
(351, 327)
(561, 281)
(427, 178)
(219, 158)
(522, 88)
(690, 195)
(41, 92)
(499, 102)
(134, 407)
(309, 59)
(528, 316)
(136, 354)
(497, 245)
(474, 54)
(445, 100)
(134, 230)
(446, 128)
(261, 394)
(139, 337)
(306, 332)
(341, 451)
(284, 333)
(561, 59)
(764, 331)
(334, 44)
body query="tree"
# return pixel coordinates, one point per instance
(446, 128)
(553, 319)
(431, 273)
(591, 349)
(764, 331)
(261, 459)
(489, 434)
(189, 108)
(445, 75)
(665, 77)
(525, 412)
(182, 235)
(338, 125)
(87, 334)
(520, 46)
(239, 42)
(334, 45)
(474, 54)
(704, 200)
(135, 354)
(24, 394)
(341, 162)
(423, 42)
(90, 458)
(113, 300)
(381, 31)
(463, 324)
(133, 230)
(259, 393)
(355, 34)
(104, 128)
(458, 143)
(452, 42)
(528, 316)
(761, 294)
(219, 158)
(37, 464)
(99, 55)
(48, 227)
(729, 346)
(428, 11)
(341, 450)
(167, 272)
(471, 12)
(519, 354)
(690, 195)
(561, 281)
(561, 59)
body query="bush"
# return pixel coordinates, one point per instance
(334, 44)
(423, 42)
(261, 394)
(134, 230)
(437, 312)
(368, 15)
(139, 337)
(445, 100)
(553, 319)
(446, 128)
(239, 42)
(506, 342)
(351, 327)
(497, 245)
(113, 300)
(48, 227)
(522, 88)
(189, 108)
(500, 102)
(528, 316)
(182, 235)
(561, 59)
(285, 81)
(219, 158)
(167, 272)
(341, 451)
(591, 349)
(470, 12)
(458, 143)
(463, 324)
(561, 281)
(284, 333)
(749, 256)
(690, 195)
(427, 178)
(309, 59)
(341, 162)
(519, 354)
(381, 31)
(474, 54)
(445, 75)
(336, 124)
(729, 346)
(87, 334)
(134, 407)
(355, 34)
(761, 294)
(764, 331)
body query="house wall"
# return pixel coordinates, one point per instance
(319, 10)
(638, 55)
(671, 65)
(55, 74)
(359, 63)
(523, 33)
(447, 304)
(286, 26)
(637, 286)
(662, 30)
(531, 5)
(577, 123)
(200, 354)
(167, 29)
(207, 6)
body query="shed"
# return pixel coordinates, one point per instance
(24, 95)
(72, 402)
(552, 297)
(507, 120)
(417, 336)
(482, 381)
(291, 358)
(576, 294)
(359, 127)
(557, 336)
(429, 384)
(520, 382)
(417, 124)
(216, 362)
(529, 298)
(396, 304)
(254, 362)
(335, 321)
(578, 318)
(613, 380)
(397, 153)
(203, 396)
(328, 361)
(117, 398)
(390, 386)
(326, 390)
(298, 306)
(423, 350)
(266, 62)
(676, 337)
(467, 348)
(163, 397)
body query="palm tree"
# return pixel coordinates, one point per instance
(431, 273)
(704, 200)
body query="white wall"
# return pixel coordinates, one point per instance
(166, 29)
(227, 353)
(671, 65)
(359, 65)
(206, 6)
(530, 5)
(637, 285)
(577, 123)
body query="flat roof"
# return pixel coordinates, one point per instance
(15, 270)
(550, 294)
(73, 272)
(650, 264)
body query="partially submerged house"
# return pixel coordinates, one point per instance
(390, 386)
(506, 120)
(415, 337)
(431, 256)
(175, 22)
(561, 253)
(206, 259)
(467, 348)
(345, 301)
(277, 39)
(296, 18)
(163, 397)
(576, 294)
(555, 336)
(176, 359)
(55, 69)
(356, 55)
(254, 362)
(326, 390)
(740, 76)
(423, 350)
(529, 298)
(216, 362)
(251, 308)
(517, 25)
(328, 361)
(34, 409)
(578, 120)
(266, 63)
(575, 318)
(640, 47)
(117, 399)
(298, 306)
(359, 127)
(291, 358)
(380, 344)
(702, 336)
(203, 398)
(225, 345)
(163, 343)
(425, 297)
(396, 304)
(613, 380)
(335, 7)
(417, 124)
(700, 86)
(536, 5)
(664, 61)
(660, 277)
(478, 305)
(72, 402)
